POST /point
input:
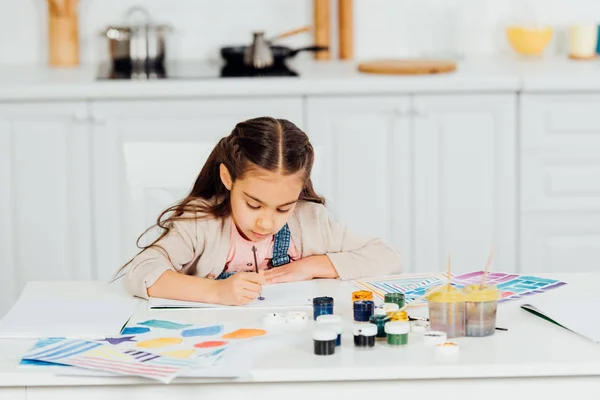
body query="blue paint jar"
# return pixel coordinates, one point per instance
(322, 306)
(363, 309)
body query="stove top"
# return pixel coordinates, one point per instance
(189, 71)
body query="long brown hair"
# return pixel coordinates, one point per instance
(275, 145)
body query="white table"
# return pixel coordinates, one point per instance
(533, 358)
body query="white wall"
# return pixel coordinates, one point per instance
(383, 27)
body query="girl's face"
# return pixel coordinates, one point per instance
(263, 201)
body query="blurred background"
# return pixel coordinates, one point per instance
(442, 126)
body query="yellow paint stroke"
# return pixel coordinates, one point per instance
(160, 342)
(107, 354)
(244, 334)
(179, 353)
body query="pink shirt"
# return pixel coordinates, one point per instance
(241, 257)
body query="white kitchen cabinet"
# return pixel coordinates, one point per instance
(434, 175)
(363, 163)
(46, 220)
(560, 184)
(465, 176)
(147, 155)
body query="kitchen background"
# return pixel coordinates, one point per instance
(503, 149)
(383, 28)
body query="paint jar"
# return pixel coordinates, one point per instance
(481, 306)
(362, 295)
(324, 341)
(386, 308)
(322, 306)
(379, 321)
(398, 316)
(363, 309)
(364, 335)
(433, 338)
(396, 298)
(447, 310)
(334, 322)
(397, 333)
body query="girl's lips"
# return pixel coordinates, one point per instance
(258, 235)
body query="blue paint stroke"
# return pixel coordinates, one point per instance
(136, 330)
(38, 363)
(206, 331)
(46, 342)
(159, 323)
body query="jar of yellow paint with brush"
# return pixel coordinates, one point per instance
(447, 310)
(481, 304)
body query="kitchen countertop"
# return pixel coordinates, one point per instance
(23, 83)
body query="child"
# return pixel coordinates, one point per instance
(252, 209)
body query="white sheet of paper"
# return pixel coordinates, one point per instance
(292, 294)
(47, 310)
(577, 314)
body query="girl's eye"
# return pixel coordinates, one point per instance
(252, 207)
(284, 211)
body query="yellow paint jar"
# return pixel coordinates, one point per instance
(447, 310)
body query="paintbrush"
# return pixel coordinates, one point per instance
(260, 296)
(487, 268)
(411, 318)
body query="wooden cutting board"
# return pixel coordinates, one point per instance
(407, 67)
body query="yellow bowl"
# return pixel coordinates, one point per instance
(529, 41)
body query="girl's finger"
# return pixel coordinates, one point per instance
(251, 286)
(248, 294)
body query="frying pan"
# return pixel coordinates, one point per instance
(234, 55)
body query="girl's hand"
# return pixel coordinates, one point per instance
(318, 266)
(295, 271)
(239, 289)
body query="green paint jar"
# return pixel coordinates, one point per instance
(396, 298)
(379, 321)
(397, 332)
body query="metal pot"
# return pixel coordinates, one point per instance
(138, 48)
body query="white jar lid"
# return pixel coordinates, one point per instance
(364, 329)
(330, 325)
(333, 318)
(324, 334)
(434, 337)
(397, 327)
(447, 348)
(296, 317)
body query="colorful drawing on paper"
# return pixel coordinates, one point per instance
(205, 331)
(105, 357)
(413, 286)
(134, 330)
(158, 323)
(179, 353)
(120, 339)
(159, 342)
(211, 343)
(156, 352)
(512, 286)
(244, 334)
